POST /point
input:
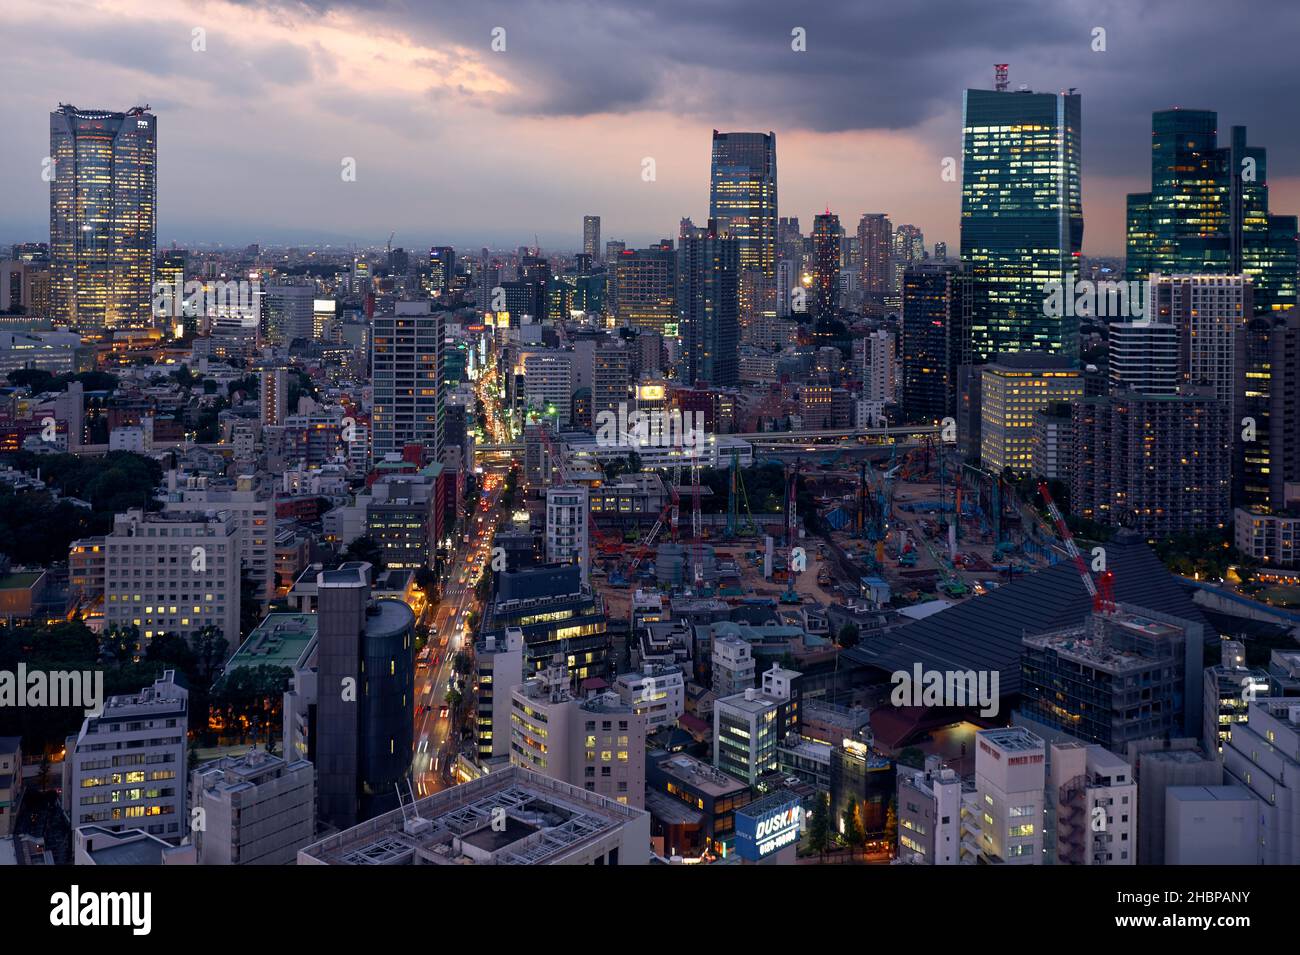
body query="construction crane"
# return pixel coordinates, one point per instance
(1101, 592)
(734, 498)
(604, 544)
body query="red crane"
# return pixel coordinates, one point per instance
(604, 545)
(1101, 592)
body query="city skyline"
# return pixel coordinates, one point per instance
(552, 145)
(426, 439)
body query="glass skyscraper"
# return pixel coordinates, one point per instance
(1207, 211)
(826, 236)
(708, 275)
(1021, 217)
(103, 217)
(742, 196)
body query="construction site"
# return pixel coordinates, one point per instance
(884, 526)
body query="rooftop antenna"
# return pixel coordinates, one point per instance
(1000, 80)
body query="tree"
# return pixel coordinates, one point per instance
(210, 651)
(848, 635)
(851, 831)
(462, 663)
(37, 379)
(426, 580)
(366, 548)
(250, 607)
(819, 827)
(912, 756)
(891, 826)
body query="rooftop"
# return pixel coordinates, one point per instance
(282, 639)
(545, 822)
(985, 632)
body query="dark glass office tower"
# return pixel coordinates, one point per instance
(365, 697)
(708, 275)
(1207, 211)
(826, 266)
(1267, 358)
(935, 338)
(742, 196)
(1021, 216)
(103, 217)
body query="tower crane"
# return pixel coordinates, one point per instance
(1102, 591)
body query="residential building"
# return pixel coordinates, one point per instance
(1093, 806)
(252, 504)
(406, 372)
(1012, 390)
(125, 768)
(1144, 357)
(173, 572)
(1230, 688)
(929, 814)
(257, 809)
(1160, 464)
(657, 691)
(708, 272)
(500, 663)
(1262, 755)
(597, 743)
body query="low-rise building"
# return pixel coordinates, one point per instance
(256, 809)
(509, 817)
(125, 769)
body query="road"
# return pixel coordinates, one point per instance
(436, 741)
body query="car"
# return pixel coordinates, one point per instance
(442, 713)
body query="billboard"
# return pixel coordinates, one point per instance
(766, 826)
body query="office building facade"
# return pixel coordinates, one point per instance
(1021, 217)
(103, 217)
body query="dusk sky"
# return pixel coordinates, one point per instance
(457, 144)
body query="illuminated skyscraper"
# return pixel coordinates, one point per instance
(708, 306)
(642, 288)
(1021, 216)
(874, 235)
(742, 196)
(1207, 211)
(826, 265)
(406, 367)
(442, 268)
(591, 237)
(103, 216)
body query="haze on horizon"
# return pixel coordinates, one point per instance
(456, 143)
